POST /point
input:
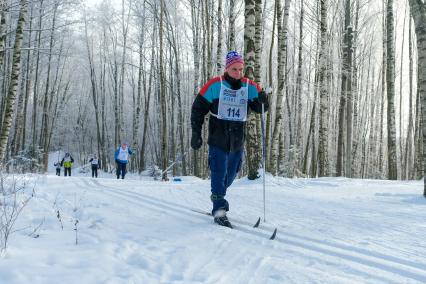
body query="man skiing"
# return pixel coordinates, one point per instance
(228, 98)
(66, 162)
(122, 158)
(95, 164)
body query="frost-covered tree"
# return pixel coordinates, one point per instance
(418, 12)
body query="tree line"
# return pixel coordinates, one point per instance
(347, 77)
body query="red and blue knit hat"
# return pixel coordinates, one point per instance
(233, 57)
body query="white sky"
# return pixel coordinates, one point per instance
(94, 2)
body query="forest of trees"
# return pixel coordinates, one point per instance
(348, 80)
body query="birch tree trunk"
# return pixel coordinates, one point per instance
(231, 26)
(196, 62)
(249, 58)
(124, 30)
(380, 160)
(356, 94)
(418, 12)
(298, 93)
(346, 100)
(418, 165)
(116, 101)
(28, 77)
(408, 155)
(140, 85)
(21, 118)
(310, 134)
(272, 98)
(171, 106)
(14, 81)
(180, 109)
(310, 140)
(401, 161)
(2, 33)
(104, 156)
(390, 83)
(36, 81)
(163, 101)
(17, 131)
(44, 135)
(323, 123)
(219, 39)
(369, 167)
(258, 43)
(208, 35)
(282, 29)
(17, 138)
(147, 105)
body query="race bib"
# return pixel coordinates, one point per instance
(233, 103)
(123, 155)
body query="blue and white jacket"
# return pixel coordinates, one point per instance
(122, 160)
(225, 134)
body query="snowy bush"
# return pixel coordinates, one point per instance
(289, 168)
(13, 198)
(154, 171)
(26, 161)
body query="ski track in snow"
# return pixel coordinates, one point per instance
(359, 256)
(141, 231)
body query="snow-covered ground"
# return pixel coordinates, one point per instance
(137, 230)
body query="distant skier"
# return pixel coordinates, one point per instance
(58, 168)
(66, 162)
(95, 165)
(122, 154)
(228, 98)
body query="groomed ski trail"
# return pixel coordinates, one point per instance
(358, 260)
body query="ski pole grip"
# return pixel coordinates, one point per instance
(267, 90)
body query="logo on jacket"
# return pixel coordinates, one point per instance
(230, 93)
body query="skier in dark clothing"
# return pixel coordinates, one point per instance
(66, 162)
(228, 98)
(122, 158)
(95, 165)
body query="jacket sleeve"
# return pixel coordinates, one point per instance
(130, 151)
(90, 160)
(72, 159)
(256, 106)
(62, 162)
(200, 108)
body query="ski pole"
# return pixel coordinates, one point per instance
(177, 160)
(263, 161)
(268, 91)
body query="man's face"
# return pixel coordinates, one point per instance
(236, 70)
(123, 146)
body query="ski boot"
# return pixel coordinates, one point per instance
(221, 219)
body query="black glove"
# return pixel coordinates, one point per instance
(196, 140)
(262, 97)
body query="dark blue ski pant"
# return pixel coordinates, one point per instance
(121, 170)
(224, 167)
